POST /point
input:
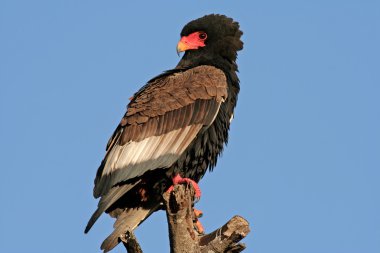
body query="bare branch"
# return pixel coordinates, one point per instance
(130, 242)
(184, 237)
(179, 211)
(226, 238)
(183, 234)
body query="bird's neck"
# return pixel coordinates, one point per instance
(229, 67)
(190, 60)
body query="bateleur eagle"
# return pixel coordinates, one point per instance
(175, 126)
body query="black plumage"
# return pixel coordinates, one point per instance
(176, 124)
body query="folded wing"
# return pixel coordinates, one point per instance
(161, 121)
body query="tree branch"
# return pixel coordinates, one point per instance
(185, 239)
(226, 238)
(183, 235)
(179, 212)
(130, 242)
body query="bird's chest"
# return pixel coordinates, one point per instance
(205, 149)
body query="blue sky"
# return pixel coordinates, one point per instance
(303, 160)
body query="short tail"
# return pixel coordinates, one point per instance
(107, 200)
(129, 219)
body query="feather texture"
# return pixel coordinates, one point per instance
(129, 219)
(158, 125)
(176, 124)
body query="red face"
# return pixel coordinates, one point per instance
(192, 41)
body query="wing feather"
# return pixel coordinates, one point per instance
(160, 123)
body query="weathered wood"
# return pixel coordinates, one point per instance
(179, 212)
(130, 242)
(226, 239)
(184, 237)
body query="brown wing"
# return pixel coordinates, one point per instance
(160, 123)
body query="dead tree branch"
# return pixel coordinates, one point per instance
(185, 239)
(179, 212)
(130, 243)
(226, 238)
(183, 235)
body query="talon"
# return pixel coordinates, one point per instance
(177, 179)
(198, 213)
(199, 227)
(170, 189)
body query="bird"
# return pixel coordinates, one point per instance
(174, 129)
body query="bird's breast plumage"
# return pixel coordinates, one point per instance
(203, 152)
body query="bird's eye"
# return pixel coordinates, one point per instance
(203, 36)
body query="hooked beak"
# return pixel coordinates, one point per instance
(182, 46)
(190, 42)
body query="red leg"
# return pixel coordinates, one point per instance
(198, 213)
(197, 224)
(199, 227)
(177, 179)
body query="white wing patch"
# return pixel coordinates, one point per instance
(161, 152)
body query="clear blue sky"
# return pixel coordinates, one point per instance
(303, 161)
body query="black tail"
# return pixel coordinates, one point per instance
(107, 200)
(129, 219)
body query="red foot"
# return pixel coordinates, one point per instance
(199, 227)
(197, 224)
(177, 179)
(198, 213)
